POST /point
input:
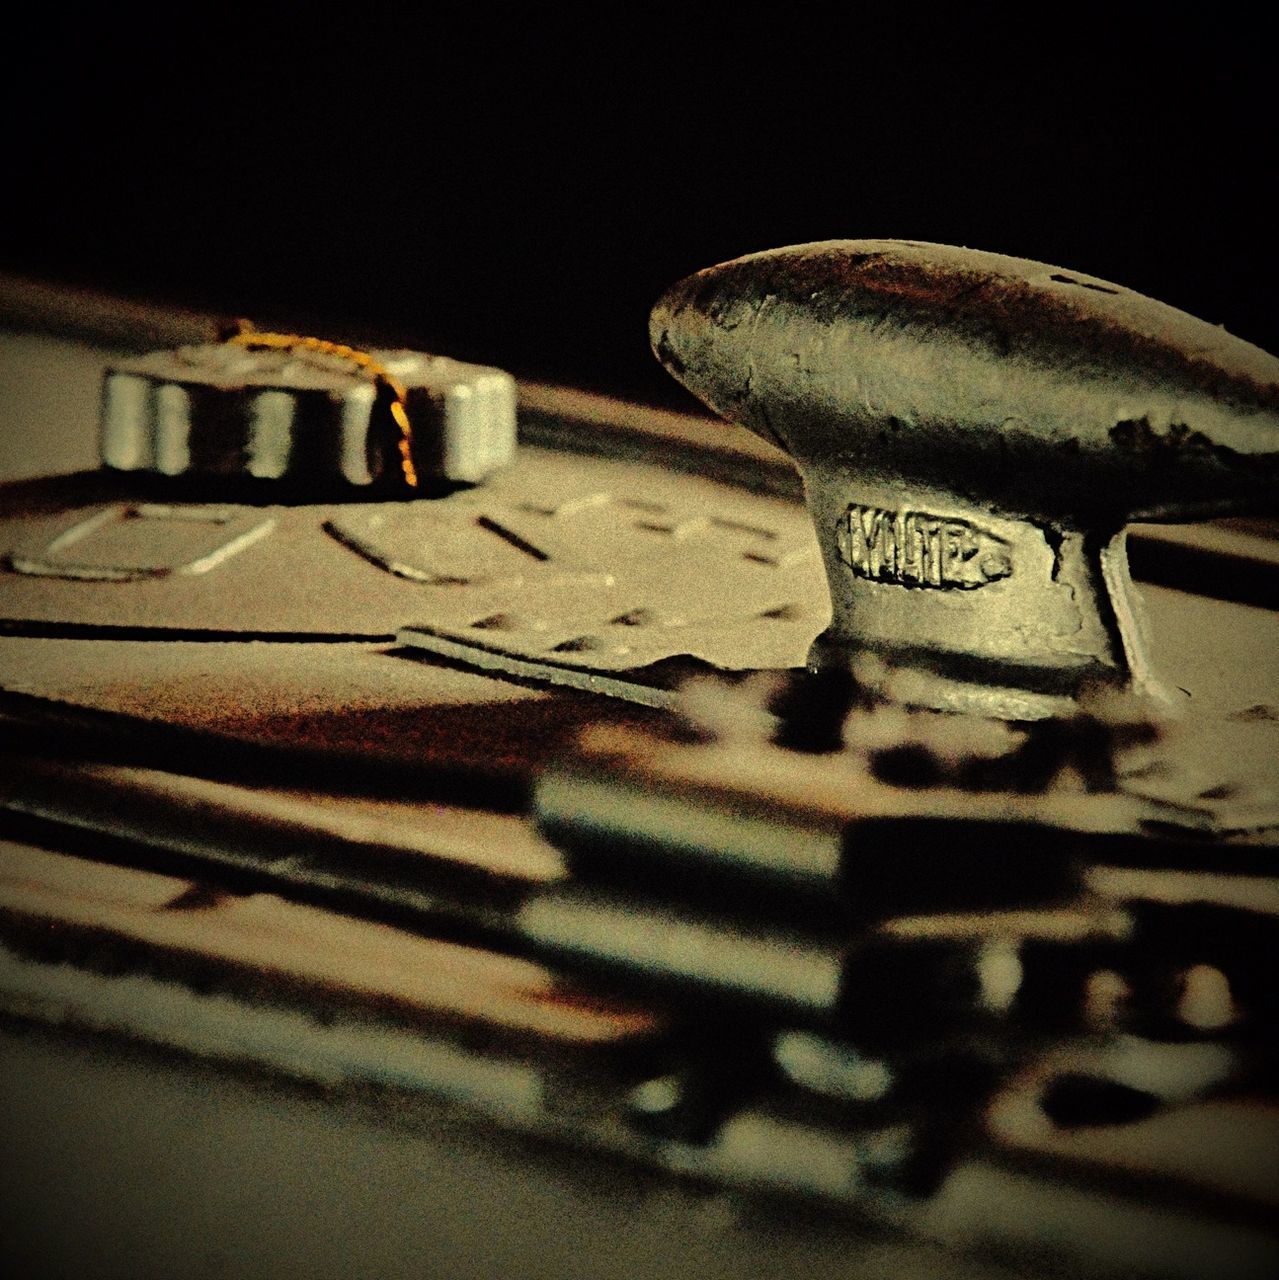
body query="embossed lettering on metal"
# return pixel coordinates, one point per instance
(914, 549)
(130, 541)
(549, 566)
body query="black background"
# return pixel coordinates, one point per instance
(519, 190)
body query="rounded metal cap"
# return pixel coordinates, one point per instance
(309, 416)
(974, 431)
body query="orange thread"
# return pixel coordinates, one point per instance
(251, 339)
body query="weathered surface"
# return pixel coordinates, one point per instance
(607, 564)
(974, 431)
(934, 364)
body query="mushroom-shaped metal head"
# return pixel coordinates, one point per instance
(974, 431)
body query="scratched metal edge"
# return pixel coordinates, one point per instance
(422, 638)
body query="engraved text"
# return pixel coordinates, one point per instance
(913, 549)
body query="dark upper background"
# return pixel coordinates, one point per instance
(519, 191)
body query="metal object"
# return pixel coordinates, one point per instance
(569, 570)
(633, 823)
(1001, 987)
(974, 432)
(518, 898)
(305, 418)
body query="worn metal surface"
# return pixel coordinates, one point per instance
(303, 417)
(974, 431)
(926, 978)
(598, 563)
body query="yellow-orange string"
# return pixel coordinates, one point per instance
(250, 339)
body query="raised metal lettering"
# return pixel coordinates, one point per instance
(914, 549)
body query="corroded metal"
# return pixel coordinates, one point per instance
(974, 432)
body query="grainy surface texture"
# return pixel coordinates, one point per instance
(291, 986)
(974, 432)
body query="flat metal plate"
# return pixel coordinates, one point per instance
(341, 699)
(615, 563)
